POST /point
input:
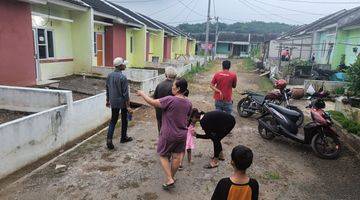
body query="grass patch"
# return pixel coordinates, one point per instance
(248, 64)
(189, 76)
(348, 124)
(265, 84)
(272, 176)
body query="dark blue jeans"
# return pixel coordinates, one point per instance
(113, 121)
(225, 106)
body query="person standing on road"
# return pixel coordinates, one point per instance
(216, 125)
(222, 84)
(117, 97)
(164, 89)
(172, 139)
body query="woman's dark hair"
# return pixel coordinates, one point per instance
(182, 84)
(242, 157)
(195, 113)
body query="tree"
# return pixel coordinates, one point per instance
(353, 74)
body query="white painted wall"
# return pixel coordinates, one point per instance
(27, 139)
(131, 74)
(32, 99)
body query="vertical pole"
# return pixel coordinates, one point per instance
(280, 49)
(301, 47)
(216, 36)
(207, 33)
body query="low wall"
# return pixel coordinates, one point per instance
(350, 112)
(330, 86)
(32, 99)
(131, 74)
(27, 139)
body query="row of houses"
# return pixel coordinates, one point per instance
(325, 41)
(231, 44)
(46, 39)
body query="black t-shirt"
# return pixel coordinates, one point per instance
(163, 89)
(227, 190)
(217, 122)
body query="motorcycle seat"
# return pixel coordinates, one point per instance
(291, 114)
(260, 99)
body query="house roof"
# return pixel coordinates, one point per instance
(340, 17)
(103, 7)
(160, 24)
(76, 2)
(136, 16)
(232, 37)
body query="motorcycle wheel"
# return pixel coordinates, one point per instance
(326, 146)
(300, 121)
(243, 104)
(266, 134)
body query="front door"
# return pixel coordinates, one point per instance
(100, 49)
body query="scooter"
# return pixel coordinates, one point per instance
(280, 121)
(253, 102)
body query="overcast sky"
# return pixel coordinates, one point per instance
(229, 11)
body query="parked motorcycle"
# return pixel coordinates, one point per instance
(253, 102)
(280, 121)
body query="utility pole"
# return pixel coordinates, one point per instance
(216, 36)
(207, 34)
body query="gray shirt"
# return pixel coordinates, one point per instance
(117, 89)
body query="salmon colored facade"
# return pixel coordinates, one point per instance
(147, 46)
(115, 43)
(167, 48)
(17, 66)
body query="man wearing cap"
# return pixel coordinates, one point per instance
(164, 89)
(117, 97)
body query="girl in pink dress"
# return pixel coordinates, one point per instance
(190, 140)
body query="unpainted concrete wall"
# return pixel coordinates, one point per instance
(32, 99)
(329, 86)
(26, 140)
(131, 74)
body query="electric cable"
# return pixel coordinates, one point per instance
(322, 2)
(298, 11)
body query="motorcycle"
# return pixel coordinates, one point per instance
(253, 102)
(319, 134)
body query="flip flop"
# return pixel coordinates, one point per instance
(166, 186)
(221, 159)
(209, 166)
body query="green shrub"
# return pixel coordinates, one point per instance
(353, 76)
(350, 125)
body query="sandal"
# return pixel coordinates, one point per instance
(181, 168)
(221, 159)
(209, 166)
(166, 186)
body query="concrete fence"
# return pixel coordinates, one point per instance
(131, 74)
(32, 99)
(330, 86)
(27, 139)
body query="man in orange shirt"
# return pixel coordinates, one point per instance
(222, 84)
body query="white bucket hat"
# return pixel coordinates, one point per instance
(120, 61)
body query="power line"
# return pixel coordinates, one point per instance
(181, 22)
(252, 8)
(196, 2)
(166, 8)
(194, 11)
(280, 16)
(322, 2)
(298, 11)
(182, 10)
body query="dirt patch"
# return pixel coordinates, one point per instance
(9, 115)
(148, 196)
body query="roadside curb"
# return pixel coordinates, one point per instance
(352, 141)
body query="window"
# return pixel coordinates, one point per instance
(131, 44)
(45, 43)
(229, 47)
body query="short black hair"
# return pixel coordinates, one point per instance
(226, 64)
(182, 84)
(242, 157)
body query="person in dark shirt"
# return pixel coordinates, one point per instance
(216, 125)
(239, 185)
(163, 89)
(117, 97)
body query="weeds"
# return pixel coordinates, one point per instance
(189, 76)
(248, 64)
(350, 125)
(265, 84)
(272, 176)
